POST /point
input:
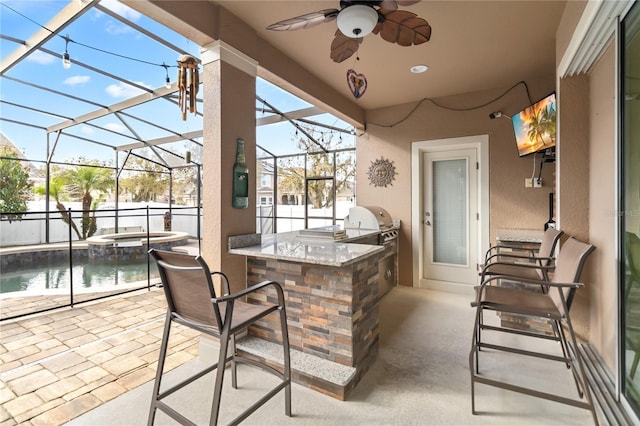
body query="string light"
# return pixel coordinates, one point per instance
(66, 59)
(167, 80)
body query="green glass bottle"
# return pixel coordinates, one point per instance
(240, 194)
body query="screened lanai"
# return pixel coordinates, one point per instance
(91, 114)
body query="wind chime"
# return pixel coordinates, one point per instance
(357, 82)
(188, 83)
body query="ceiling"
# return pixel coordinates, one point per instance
(475, 45)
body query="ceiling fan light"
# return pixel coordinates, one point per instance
(357, 20)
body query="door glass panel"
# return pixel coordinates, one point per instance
(631, 207)
(450, 212)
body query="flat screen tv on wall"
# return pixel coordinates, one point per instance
(535, 126)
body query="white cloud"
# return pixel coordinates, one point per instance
(122, 90)
(41, 58)
(121, 9)
(113, 26)
(116, 28)
(115, 127)
(87, 130)
(76, 80)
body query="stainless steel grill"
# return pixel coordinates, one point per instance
(377, 218)
(372, 217)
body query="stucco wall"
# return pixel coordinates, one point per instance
(602, 201)
(587, 176)
(573, 155)
(574, 177)
(511, 204)
(229, 93)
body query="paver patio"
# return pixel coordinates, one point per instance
(60, 364)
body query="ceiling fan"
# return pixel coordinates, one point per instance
(358, 18)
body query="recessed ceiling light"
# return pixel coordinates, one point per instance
(417, 69)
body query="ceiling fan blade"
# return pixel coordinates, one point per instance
(343, 47)
(404, 28)
(305, 21)
(387, 6)
(407, 2)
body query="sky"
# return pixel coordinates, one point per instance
(103, 42)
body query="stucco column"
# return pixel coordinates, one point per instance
(573, 184)
(229, 85)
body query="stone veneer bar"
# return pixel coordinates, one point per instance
(332, 293)
(332, 312)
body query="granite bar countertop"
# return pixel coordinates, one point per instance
(519, 235)
(292, 246)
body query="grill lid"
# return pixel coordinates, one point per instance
(368, 217)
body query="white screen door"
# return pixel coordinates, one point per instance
(450, 216)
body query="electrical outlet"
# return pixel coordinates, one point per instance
(528, 182)
(537, 183)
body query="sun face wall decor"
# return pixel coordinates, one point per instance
(381, 172)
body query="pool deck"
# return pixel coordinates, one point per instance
(57, 365)
(76, 245)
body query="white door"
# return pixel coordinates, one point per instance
(450, 217)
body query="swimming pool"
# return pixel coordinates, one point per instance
(88, 275)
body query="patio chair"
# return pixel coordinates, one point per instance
(534, 265)
(552, 306)
(193, 302)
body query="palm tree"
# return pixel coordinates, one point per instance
(81, 182)
(536, 128)
(56, 191)
(549, 121)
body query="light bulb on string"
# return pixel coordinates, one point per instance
(66, 59)
(167, 80)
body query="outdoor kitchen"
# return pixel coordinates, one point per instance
(333, 279)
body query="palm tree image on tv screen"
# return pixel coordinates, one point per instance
(535, 126)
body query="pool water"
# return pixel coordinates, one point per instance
(87, 274)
